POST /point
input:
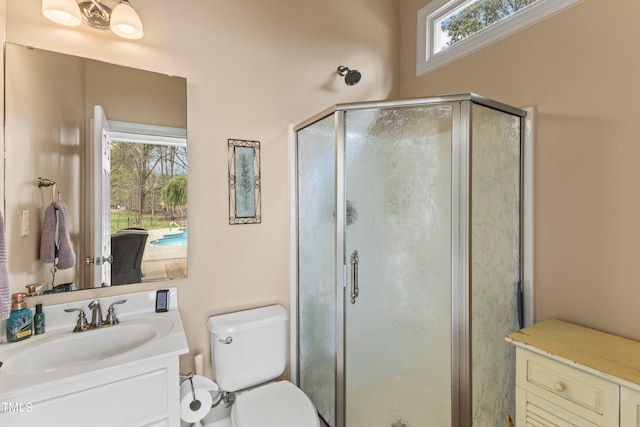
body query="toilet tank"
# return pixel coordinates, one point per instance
(248, 347)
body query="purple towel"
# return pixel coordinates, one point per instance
(66, 255)
(48, 240)
(55, 245)
(5, 291)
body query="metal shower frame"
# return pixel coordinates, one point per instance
(461, 399)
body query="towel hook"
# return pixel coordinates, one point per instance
(45, 182)
(53, 192)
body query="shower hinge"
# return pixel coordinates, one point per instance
(520, 304)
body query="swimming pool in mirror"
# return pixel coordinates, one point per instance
(178, 238)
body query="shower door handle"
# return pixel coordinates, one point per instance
(354, 276)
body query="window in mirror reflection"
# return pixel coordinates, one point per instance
(148, 215)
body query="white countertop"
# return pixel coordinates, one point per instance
(59, 324)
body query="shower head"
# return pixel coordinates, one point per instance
(351, 77)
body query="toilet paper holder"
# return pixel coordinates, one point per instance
(195, 404)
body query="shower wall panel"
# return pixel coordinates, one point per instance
(495, 265)
(316, 265)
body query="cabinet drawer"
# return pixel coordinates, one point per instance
(534, 411)
(590, 397)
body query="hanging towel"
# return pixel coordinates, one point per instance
(66, 255)
(48, 241)
(5, 292)
(55, 245)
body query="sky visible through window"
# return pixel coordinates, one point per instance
(471, 17)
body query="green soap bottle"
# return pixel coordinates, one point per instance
(20, 321)
(38, 320)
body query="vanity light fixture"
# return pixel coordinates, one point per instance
(122, 18)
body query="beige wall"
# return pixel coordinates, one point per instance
(46, 90)
(252, 69)
(3, 38)
(580, 70)
(134, 95)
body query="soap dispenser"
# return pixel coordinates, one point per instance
(19, 323)
(38, 321)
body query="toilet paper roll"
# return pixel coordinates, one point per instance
(202, 386)
(189, 415)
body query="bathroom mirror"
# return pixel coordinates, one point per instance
(127, 221)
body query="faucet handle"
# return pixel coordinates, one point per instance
(122, 301)
(82, 324)
(111, 318)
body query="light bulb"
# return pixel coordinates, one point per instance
(125, 22)
(64, 12)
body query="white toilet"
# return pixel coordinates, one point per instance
(249, 349)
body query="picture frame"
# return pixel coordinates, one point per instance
(244, 182)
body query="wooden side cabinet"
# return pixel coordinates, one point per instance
(629, 407)
(569, 375)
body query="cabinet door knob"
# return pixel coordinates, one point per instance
(560, 386)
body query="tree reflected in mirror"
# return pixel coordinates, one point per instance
(149, 194)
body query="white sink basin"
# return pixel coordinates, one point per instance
(65, 349)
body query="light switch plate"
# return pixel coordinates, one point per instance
(24, 223)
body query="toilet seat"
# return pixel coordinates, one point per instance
(277, 404)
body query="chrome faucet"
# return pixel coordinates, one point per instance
(96, 317)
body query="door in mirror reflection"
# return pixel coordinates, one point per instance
(102, 184)
(142, 203)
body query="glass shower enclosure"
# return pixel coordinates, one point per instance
(408, 248)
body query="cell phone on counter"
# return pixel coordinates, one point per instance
(162, 301)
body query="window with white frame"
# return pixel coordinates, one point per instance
(449, 29)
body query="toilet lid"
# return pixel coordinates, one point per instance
(278, 404)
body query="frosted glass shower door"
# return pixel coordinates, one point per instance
(398, 210)
(316, 272)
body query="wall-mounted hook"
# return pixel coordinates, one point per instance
(44, 182)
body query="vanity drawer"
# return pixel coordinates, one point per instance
(588, 396)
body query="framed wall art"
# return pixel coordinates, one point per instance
(244, 182)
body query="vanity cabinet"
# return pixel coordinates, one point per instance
(125, 375)
(569, 375)
(140, 395)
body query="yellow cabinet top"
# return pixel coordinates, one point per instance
(609, 354)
